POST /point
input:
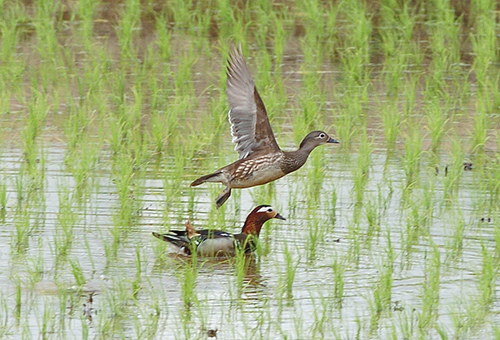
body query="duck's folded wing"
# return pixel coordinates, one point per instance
(176, 237)
(215, 243)
(250, 125)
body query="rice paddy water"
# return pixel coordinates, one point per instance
(109, 110)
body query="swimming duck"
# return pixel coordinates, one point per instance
(260, 158)
(209, 242)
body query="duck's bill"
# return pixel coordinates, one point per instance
(278, 216)
(331, 140)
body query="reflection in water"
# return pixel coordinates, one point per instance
(252, 288)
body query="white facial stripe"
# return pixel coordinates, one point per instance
(264, 209)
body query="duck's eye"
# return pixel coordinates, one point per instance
(269, 210)
(322, 135)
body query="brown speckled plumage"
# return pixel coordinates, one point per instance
(261, 159)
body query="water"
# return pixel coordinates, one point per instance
(262, 306)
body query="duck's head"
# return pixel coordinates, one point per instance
(266, 212)
(315, 138)
(258, 217)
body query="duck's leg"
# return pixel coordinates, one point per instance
(219, 201)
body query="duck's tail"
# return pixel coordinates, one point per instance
(215, 177)
(175, 237)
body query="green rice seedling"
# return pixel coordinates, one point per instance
(12, 16)
(444, 34)
(38, 110)
(483, 38)
(331, 28)
(339, 268)
(44, 22)
(264, 81)
(321, 318)
(469, 316)
(436, 122)
(35, 270)
(428, 202)
(411, 235)
(355, 242)
(77, 272)
(412, 157)
(391, 120)
(356, 49)
(20, 188)
(153, 315)
(493, 177)
(116, 133)
(230, 25)
(280, 37)
(410, 91)
(406, 322)
(118, 234)
(109, 322)
(316, 233)
(455, 245)
(346, 122)
(3, 198)
(314, 17)
(159, 133)
(172, 118)
(396, 30)
(430, 289)
(188, 281)
(316, 175)
(184, 87)
(480, 130)
(496, 331)
(382, 292)
(373, 217)
(173, 189)
(75, 127)
(164, 36)
(361, 172)
(394, 67)
(127, 175)
(137, 280)
(488, 276)
(261, 25)
(245, 266)
(128, 28)
(66, 218)
(214, 132)
(291, 270)
(48, 320)
(5, 324)
(22, 232)
(453, 171)
(204, 26)
(264, 193)
(86, 11)
(82, 165)
(16, 280)
(332, 207)
(182, 14)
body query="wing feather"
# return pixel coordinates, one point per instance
(250, 125)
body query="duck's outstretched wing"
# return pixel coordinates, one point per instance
(250, 125)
